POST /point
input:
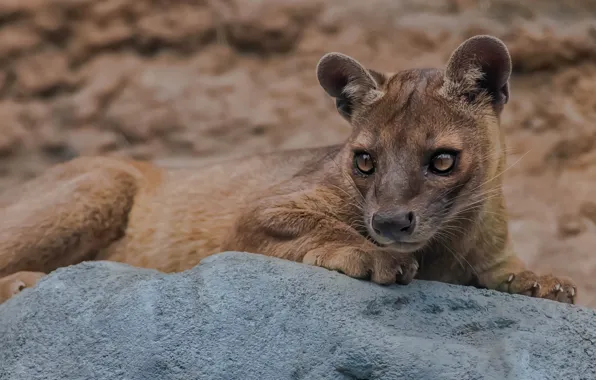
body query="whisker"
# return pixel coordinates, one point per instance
(503, 172)
(349, 179)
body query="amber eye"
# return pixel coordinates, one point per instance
(363, 162)
(442, 163)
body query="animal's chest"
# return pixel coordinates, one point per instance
(445, 267)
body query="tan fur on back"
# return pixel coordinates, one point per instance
(314, 206)
(182, 215)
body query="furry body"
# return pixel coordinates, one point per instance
(415, 192)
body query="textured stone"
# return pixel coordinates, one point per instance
(245, 316)
(203, 78)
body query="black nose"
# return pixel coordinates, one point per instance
(394, 225)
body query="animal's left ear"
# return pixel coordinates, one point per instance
(481, 64)
(349, 82)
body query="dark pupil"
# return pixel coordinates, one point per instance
(364, 163)
(443, 162)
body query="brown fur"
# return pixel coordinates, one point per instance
(308, 205)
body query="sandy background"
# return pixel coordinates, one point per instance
(199, 79)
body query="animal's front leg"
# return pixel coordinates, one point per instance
(363, 261)
(511, 276)
(317, 239)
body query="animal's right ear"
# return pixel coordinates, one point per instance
(480, 64)
(346, 80)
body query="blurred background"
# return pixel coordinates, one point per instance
(187, 81)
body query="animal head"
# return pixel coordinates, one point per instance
(426, 146)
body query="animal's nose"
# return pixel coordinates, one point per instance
(394, 225)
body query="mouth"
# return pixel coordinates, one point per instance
(398, 245)
(406, 247)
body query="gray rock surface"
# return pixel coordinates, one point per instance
(243, 316)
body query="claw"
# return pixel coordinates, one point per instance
(510, 278)
(572, 291)
(400, 271)
(557, 288)
(536, 285)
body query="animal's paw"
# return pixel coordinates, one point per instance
(17, 282)
(548, 286)
(380, 266)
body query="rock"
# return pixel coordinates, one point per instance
(245, 316)
(198, 78)
(184, 24)
(266, 27)
(42, 72)
(12, 132)
(15, 39)
(93, 140)
(588, 210)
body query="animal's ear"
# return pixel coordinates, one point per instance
(379, 77)
(346, 80)
(481, 64)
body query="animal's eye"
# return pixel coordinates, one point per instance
(442, 163)
(363, 162)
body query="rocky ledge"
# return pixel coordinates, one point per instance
(245, 316)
